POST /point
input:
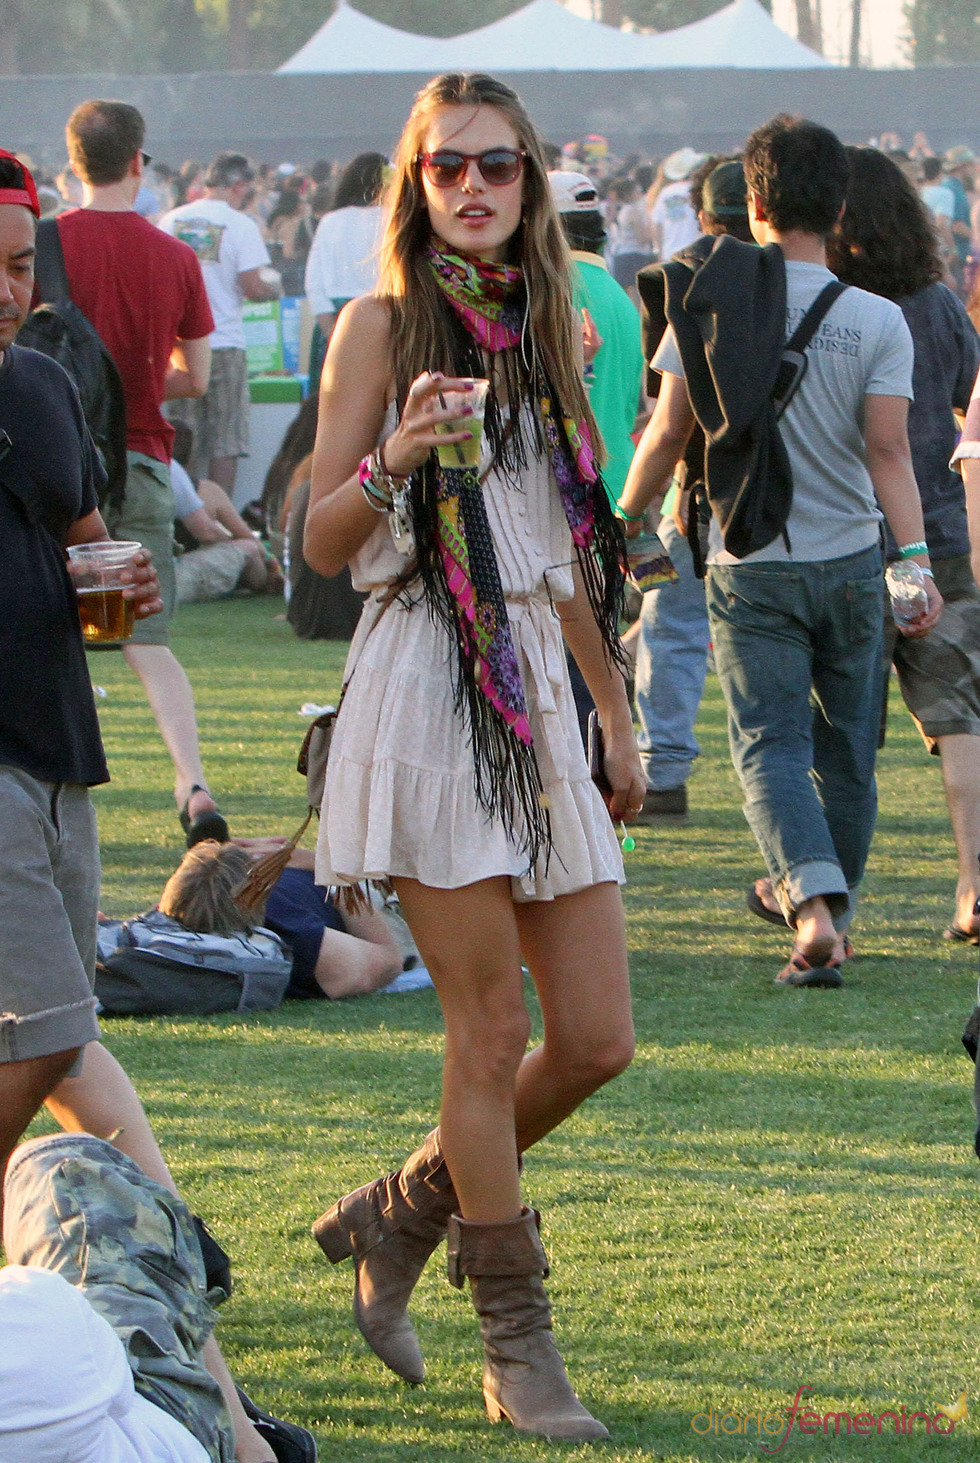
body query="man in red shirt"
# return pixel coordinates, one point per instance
(144, 293)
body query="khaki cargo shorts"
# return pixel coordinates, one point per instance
(940, 674)
(49, 897)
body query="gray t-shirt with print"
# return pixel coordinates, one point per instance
(862, 348)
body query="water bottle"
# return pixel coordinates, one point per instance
(907, 588)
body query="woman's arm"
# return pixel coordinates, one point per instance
(889, 459)
(355, 389)
(608, 690)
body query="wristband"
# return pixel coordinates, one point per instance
(909, 551)
(628, 517)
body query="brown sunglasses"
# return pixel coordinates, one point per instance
(498, 165)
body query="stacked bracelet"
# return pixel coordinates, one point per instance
(621, 512)
(377, 484)
(909, 551)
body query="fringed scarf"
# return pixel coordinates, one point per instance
(456, 562)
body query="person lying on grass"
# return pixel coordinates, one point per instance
(334, 954)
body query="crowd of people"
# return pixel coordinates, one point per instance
(544, 376)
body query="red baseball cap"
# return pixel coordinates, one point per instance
(26, 195)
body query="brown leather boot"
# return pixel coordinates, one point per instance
(524, 1378)
(391, 1227)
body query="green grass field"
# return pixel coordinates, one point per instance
(780, 1192)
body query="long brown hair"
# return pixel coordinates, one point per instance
(424, 336)
(885, 242)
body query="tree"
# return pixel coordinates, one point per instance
(661, 14)
(943, 32)
(808, 25)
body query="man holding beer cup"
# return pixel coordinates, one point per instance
(50, 747)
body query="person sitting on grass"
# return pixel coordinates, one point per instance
(106, 1321)
(334, 954)
(221, 553)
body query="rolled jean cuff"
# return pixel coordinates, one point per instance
(818, 879)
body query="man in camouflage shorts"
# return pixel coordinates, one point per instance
(77, 1206)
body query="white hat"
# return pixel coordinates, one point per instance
(573, 193)
(681, 164)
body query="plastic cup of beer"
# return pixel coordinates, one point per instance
(463, 454)
(96, 571)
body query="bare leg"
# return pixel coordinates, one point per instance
(576, 953)
(223, 471)
(469, 942)
(23, 1088)
(103, 1101)
(172, 702)
(493, 1107)
(960, 756)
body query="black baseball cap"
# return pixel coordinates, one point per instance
(723, 194)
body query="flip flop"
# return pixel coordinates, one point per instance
(758, 906)
(965, 937)
(799, 972)
(209, 824)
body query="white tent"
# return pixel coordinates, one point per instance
(743, 35)
(544, 36)
(350, 41)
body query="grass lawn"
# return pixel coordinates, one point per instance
(780, 1192)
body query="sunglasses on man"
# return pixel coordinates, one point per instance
(498, 166)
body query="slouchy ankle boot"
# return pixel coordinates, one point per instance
(391, 1227)
(524, 1378)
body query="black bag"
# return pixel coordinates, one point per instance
(57, 328)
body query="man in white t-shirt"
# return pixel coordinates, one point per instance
(796, 625)
(232, 253)
(673, 222)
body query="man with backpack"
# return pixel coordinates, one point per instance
(799, 445)
(144, 294)
(50, 754)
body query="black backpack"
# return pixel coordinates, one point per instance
(57, 328)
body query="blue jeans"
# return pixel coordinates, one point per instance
(798, 653)
(671, 660)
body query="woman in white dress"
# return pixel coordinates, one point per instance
(456, 767)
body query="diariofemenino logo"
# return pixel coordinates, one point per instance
(776, 1427)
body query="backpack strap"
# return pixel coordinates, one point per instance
(49, 263)
(794, 363)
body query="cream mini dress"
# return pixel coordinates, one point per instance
(399, 796)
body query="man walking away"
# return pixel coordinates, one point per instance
(232, 254)
(801, 616)
(144, 294)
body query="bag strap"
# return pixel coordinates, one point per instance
(794, 363)
(49, 264)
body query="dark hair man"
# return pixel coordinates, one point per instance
(50, 754)
(50, 747)
(232, 254)
(144, 294)
(801, 617)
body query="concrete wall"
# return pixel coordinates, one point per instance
(304, 117)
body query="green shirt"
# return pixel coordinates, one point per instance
(615, 394)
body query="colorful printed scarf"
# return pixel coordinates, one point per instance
(458, 565)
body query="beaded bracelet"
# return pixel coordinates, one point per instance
(909, 551)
